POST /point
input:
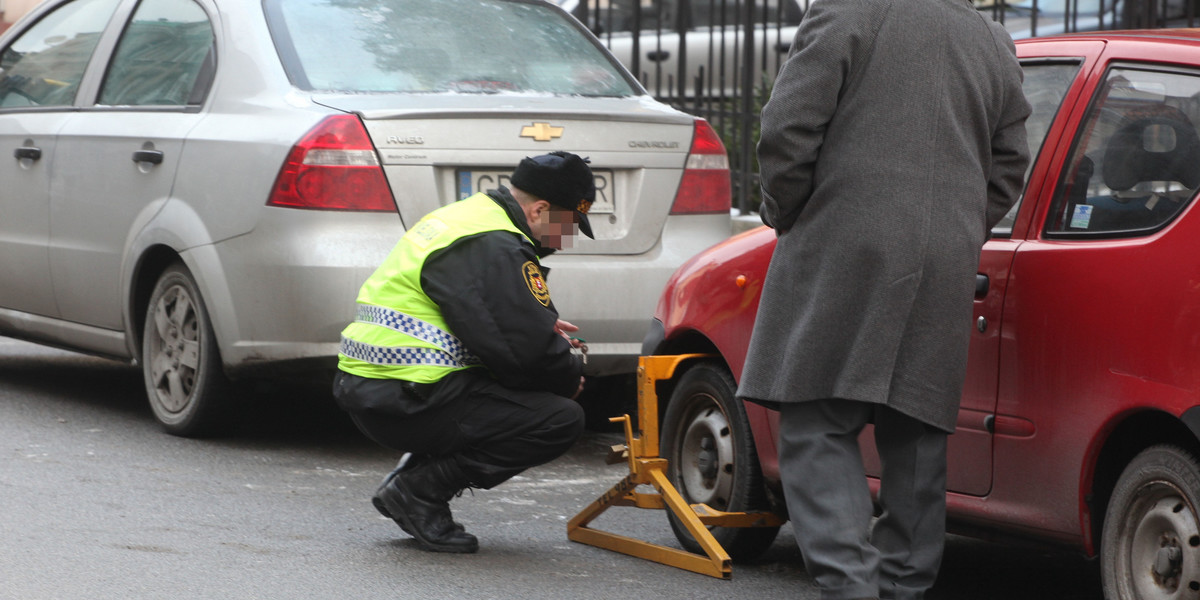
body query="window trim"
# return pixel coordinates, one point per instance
(204, 79)
(103, 47)
(1034, 158)
(1054, 204)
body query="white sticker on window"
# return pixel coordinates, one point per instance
(1082, 216)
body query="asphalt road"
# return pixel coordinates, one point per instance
(97, 503)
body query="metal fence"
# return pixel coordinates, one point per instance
(717, 58)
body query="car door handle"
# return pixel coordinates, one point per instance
(981, 285)
(28, 152)
(150, 156)
(658, 55)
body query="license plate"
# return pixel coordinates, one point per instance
(471, 181)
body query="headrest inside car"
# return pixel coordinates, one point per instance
(1153, 149)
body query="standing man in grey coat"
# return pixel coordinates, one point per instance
(893, 141)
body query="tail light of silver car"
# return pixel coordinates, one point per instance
(333, 167)
(705, 185)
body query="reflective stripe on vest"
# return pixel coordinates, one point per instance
(450, 346)
(397, 355)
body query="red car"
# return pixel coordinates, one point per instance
(1080, 419)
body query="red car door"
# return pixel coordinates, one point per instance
(1098, 288)
(1054, 77)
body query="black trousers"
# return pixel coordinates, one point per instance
(491, 431)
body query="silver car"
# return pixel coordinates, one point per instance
(201, 186)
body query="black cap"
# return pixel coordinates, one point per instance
(562, 179)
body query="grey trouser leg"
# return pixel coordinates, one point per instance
(827, 495)
(911, 532)
(830, 504)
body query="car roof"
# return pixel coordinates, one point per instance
(1185, 36)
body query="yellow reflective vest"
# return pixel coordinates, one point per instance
(399, 332)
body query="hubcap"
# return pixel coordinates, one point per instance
(706, 455)
(174, 349)
(1165, 547)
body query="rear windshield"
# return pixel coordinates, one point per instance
(468, 46)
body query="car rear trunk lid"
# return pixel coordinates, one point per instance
(438, 148)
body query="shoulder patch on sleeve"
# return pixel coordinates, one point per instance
(536, 282)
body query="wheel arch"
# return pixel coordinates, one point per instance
(1128, 438)
(153, 261)
(685, 342)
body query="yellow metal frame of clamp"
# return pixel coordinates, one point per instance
(646, 467)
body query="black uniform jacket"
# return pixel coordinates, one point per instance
(487, 287)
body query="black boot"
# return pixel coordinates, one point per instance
(408, 461)
(418, 499)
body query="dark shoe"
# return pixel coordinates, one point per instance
(408, 461)
(418, 499)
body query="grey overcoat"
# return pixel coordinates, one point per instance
(892, 142)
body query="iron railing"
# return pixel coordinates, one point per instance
(717, 58)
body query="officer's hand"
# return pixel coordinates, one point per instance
(562, 328)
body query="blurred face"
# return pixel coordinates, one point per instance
(555, 227)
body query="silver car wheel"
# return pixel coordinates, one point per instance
(174, 349)
(707, 473)
(1151, 540)
(185, 381)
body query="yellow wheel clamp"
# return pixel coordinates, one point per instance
(646, 467)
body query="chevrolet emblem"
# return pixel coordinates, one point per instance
(541, 132)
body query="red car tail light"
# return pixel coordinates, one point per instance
(705, 185)
(333, 167)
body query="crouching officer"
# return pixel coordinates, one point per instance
(457, 356)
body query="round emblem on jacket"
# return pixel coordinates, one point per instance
(536, 283)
